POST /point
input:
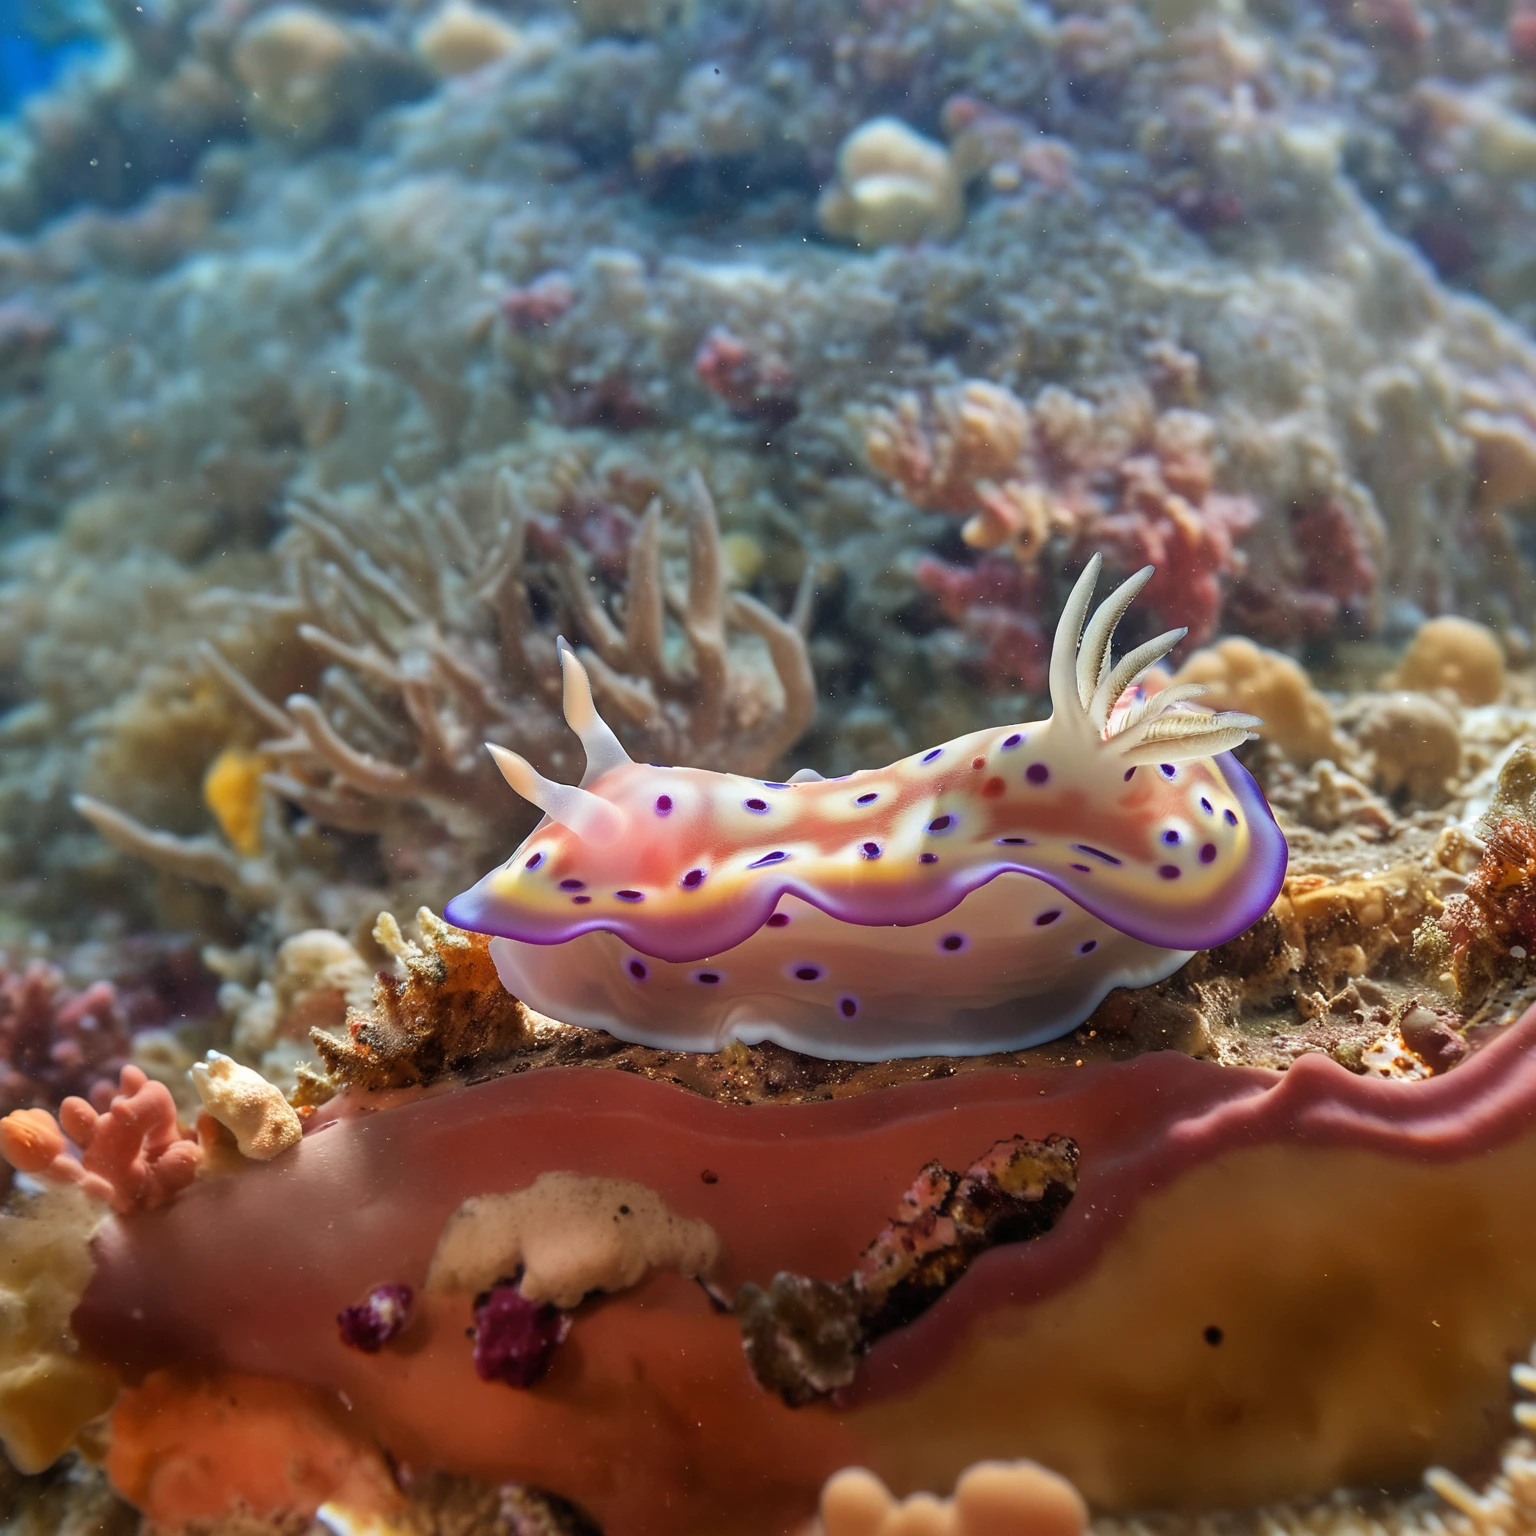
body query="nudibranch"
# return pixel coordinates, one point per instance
(981, 896)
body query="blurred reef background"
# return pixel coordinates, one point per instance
(790, 357)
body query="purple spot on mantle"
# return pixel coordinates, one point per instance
(807, 973)
(928, 757)
(1014, 842)
(1171, 837)
(953, 942)
(1167, 770)
(708, 978)
(381, 1314)
(1095, 853)
(1231, 816)
(1082, 869)
(1010, 742)
(867, 799)
(927, 858)
(779, 920)
(570, 884)
(1088, 946)
(1037, 773)
(515, 1338)
(534, 862)
(1169, 871)
(580, 901)
(756, 806)
(1208, 853)
(870, 850)
(941, 823)
(776, 857)
(1047, 918)
(663, 805)
(629, 895)
(848, 1006)
(1130, 773)
(694, 877)
(639, 970)
(1205, 805)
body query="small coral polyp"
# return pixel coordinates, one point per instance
(904, 911)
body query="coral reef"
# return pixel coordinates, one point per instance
(56, 1042)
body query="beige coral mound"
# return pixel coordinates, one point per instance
(287, 58)
(992, 1498)
(461, 38)
(1456, 654)
(893, 187)
(1250, 678)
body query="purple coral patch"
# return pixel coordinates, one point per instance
(515, 1339)
(375, 1320)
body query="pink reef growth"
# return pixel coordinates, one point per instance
(755, 382)
(55, 1041)
(515, 1339)
(998, 605)
(379, 1317)
(133, 1156)
(1337, 582)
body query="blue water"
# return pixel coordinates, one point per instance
(36, 42)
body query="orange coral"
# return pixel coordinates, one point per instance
(185, 1451)
(133, 1156)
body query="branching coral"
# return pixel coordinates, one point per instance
(133, 1156)
(426, 622)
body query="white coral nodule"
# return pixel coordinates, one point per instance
(253, 1110)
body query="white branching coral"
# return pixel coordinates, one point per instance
(435, 632)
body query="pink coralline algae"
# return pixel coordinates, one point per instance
(538, 305)
(381, 1316)
(754, 382)
(998, 605)
(1337, 582)
(55, 1042)
(515, 1339)
(134, 1156)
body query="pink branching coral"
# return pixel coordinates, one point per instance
(133, 1156)
(55, 1041)
(1072, 477)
